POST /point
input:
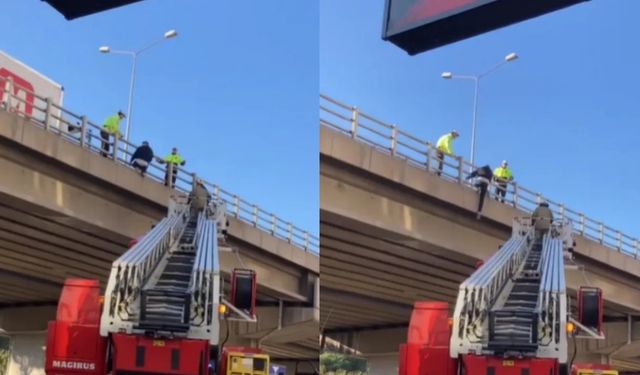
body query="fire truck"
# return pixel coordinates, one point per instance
(511, 315)
(163, 307)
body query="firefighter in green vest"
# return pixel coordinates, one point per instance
(173, 160)
(502, 176)
(111, 127)
(445, 146)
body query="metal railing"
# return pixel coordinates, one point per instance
(478, 294)
(130, 272)
(552, 296)
(204, 285)
(78, 129)
(416, 151)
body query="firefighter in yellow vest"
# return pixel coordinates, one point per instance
(445, 146)
(502, 176)
(173, 160)
(111, 127)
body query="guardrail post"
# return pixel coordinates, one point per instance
(47, 113)
(582, 224)
(561, 209)
(7, 91)
(194, 179)
(429, 156)
(216, 192)
(538, 198)
(394, 139)
(516, 192)
(355, 115)
(236, 202)
(306, 241)
(290, 232)
(273, 224)
(635, 248)
(83, 131)
(255, 215)
(115, 147)
(460, 169)
(169, 176)
(601, 228)
(619, 238)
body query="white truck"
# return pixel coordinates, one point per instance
(29, 89)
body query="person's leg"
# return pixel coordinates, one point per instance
(173, 178)
(440, 156)
(483, 193)
(503, 191)
(104, 135)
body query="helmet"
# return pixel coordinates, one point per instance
(504, 163)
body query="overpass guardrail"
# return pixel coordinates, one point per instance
(421, 153)
(80, 130)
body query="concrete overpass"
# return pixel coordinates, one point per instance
(66, 211)
(394, 232)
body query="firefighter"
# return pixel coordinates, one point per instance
(111, 127)
(541, 219)
(200, 197)
(173, 160)
(483, 176)
(445, 146)
(142, 157)
(502, 176)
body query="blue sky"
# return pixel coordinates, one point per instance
(565, 114)
(236, 91)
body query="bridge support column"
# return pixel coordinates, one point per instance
(382, 364)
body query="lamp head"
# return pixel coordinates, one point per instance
(170, 34)
(510, 57)
(104, 49)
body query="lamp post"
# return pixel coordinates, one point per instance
(134, 54)
(476, 79)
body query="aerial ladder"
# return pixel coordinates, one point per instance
(162, 308)
(511, 316)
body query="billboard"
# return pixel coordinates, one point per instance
(420, 25)
(30, 87)
(72, 9)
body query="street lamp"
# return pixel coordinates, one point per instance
(448, 75)
(134, 54)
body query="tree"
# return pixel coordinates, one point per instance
(332, 362)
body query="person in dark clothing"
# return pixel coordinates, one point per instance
(142, 157)
(483, 176)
